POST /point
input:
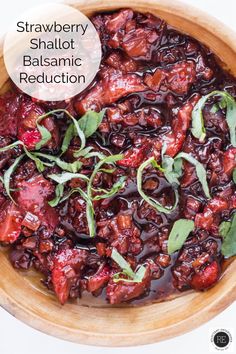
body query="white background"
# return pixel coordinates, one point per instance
(17, 338)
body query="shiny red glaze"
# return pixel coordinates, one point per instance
(10, 222)
(33, 196)
(67, 266)
(99, 279)
(206, 277)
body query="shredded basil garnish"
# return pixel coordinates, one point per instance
(85, 127)
(179, 233)
(67, 176)
(107, 193)
(200, 171)
(66, 166)
(133, 277)
(45, 133)
(150, 200)
(172, 169)
(88, 196)
(59, 191)
(61, 179)
(227, 101)
(228, 232)
(8, 173)
(234, 175)
(90, 122)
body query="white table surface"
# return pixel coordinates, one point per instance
(17, 338)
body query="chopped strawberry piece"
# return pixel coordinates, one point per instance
(118, 20)
(177, 78)
(28, 114)
(10, 222)
(121, 291)
(31, 221)
(140, 43)
(67, 268)
(229, 161)
(33, 196)
(30, 138)
(113, 86)
(181, 76)
(181, 122)
(121, 233)
(119, 62)
(207, 277)
(133, 157)
(216, 205)
(99, 279)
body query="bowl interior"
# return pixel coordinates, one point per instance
(90, 322)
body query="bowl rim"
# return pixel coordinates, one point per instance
(9, 300)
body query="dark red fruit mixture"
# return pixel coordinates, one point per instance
(151, 78)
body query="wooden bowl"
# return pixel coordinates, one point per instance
(90, 323)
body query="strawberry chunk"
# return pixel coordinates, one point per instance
(99, 279)
(177, 78)
(67, 268)
(140, 43)
(180, 125)
(229, 161)
(121, 291)
(207, 277)
(30, 138)
(33, 196)
(118, 20)
(215, 206)
(28, 114)
(10, 222)
(133, 157)
(113, 86)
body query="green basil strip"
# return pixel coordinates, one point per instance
(234, 175)
(122, 263)
(135, 277)
(200, 171)
(67, 176)
(91, 154)
(69, 134)
(179, 233)
(87, 124)
(224, 228)
(90, 122)
(84, 152)
(109, 193)
(39, 164)
(172, 169)
(8, 173)
(61, 180)
(45, 133)
(111, 159)
(66, 166)
(58, 195)
(228, 248)
(71, 192)
(227, 101)
(154, 203)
